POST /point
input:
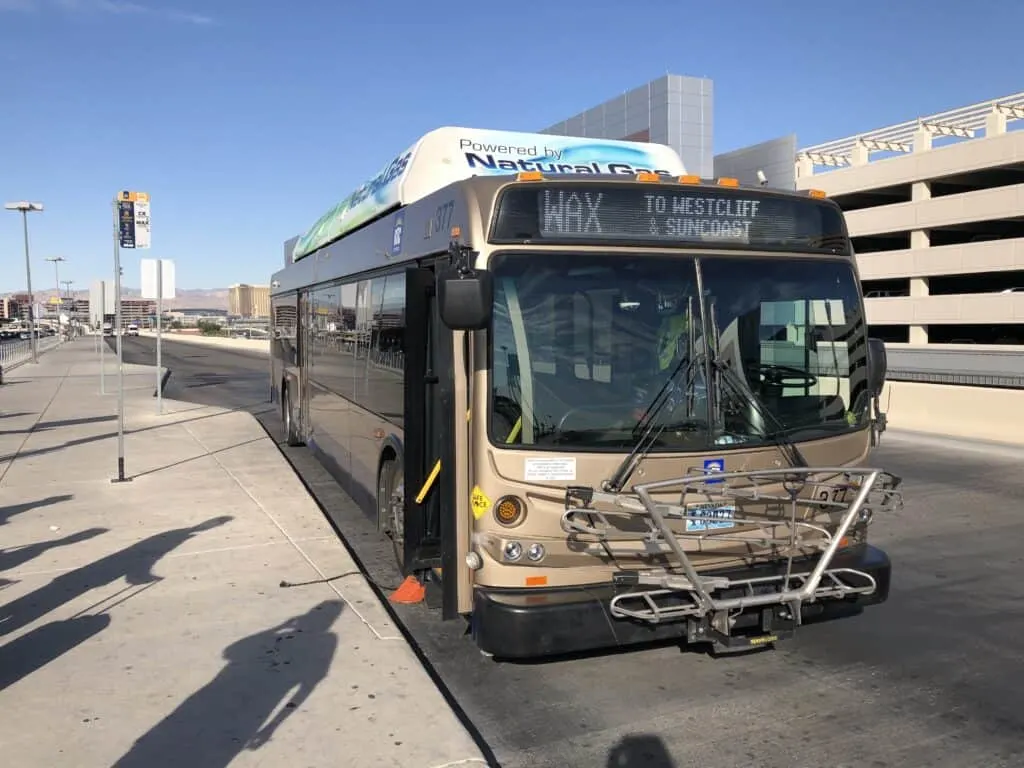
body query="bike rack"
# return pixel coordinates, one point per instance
(815, 508)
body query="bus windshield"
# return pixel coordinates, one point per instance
(582, 344)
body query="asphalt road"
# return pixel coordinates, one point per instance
(931, 678)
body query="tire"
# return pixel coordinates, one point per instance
(287, 413)
(391, 507)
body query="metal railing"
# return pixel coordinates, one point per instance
(17, 352)
(958, 378)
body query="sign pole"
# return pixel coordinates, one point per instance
(159, 313)
(103, 343)
(120, 358)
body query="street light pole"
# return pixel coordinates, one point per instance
(56, 274)
(56, 270)
(72, 320)
(26, 207)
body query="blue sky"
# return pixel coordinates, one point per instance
(246, 119)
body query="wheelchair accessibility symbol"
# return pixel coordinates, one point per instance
(712, 466)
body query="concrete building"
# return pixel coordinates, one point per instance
(678, 110)
(675, 110)
(246, 300)
(773, 158)
(935, 207)
(10, 309)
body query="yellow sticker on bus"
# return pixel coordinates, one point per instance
(479, 501)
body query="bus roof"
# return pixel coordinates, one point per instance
(449, 154)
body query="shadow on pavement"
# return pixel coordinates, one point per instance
(197, 458)
(34, 650)
(134, 563)
(108, 435)
(44, 425)
(640, 751)
(6, 513)
(17, 556)
(275, 667)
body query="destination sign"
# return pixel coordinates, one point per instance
(669, 214)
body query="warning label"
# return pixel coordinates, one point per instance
(479, 501)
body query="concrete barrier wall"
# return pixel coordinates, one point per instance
(247, 345)
(969, 412)
(977, 413)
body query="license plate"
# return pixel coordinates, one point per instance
(717, 516)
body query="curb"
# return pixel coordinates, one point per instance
(489, 758)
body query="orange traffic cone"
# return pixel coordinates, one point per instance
(409, 593)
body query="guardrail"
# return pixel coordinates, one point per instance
(1003, 369)
(990, 380)
(15, 353)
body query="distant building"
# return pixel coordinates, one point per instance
(678, 110)
(675, 110)
(246, 300)
(10, 309)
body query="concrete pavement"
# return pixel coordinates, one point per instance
(147, 624)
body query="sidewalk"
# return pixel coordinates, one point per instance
(146, 624)
(16, 353)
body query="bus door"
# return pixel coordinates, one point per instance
(431, 543)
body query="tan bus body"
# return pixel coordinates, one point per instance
(502, 501)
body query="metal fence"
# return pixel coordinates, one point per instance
(14, 353)
(961, 379)
(1003, 369)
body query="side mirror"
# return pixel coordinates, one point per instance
(465, 300)
(878, 366)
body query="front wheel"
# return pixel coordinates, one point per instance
(391, 506)
(291, 434)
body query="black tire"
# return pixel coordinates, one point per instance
(390, 507)
(287, 413)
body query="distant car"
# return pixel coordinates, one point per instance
(133, 330)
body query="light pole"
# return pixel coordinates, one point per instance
(71, 306)
(25, 208)
(56, 274)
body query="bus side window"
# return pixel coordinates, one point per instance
(386, 366)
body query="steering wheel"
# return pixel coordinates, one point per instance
(774, 375)
(560, 427)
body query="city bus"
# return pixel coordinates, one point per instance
(592, 400)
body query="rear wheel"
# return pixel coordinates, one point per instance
(391, 506)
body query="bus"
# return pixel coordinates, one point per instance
(592, 400)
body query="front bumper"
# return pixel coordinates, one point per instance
(530, 623)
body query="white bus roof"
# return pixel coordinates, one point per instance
(449, 154)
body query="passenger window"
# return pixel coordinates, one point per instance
(357, 342)
(327, 365)
(386, 364)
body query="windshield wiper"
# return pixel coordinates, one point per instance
(777, 435)
(649, 434)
